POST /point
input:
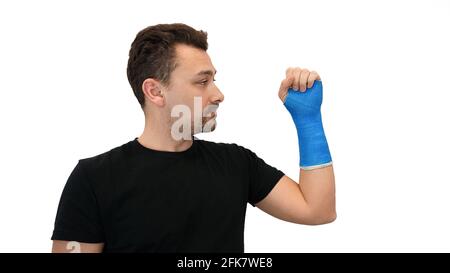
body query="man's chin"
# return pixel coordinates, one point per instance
(209, 125)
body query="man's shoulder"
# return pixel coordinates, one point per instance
(227, 148)
(106, 159)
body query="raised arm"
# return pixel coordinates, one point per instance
(312, 200)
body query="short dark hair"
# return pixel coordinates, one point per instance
(152, 53)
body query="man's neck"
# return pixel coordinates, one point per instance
(157, 136)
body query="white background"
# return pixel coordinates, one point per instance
(64, 95)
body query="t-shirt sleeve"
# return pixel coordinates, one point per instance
(263, 178)
(77, 218)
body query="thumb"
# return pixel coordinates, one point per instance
(284, 86)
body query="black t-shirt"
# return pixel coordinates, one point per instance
(136, 199)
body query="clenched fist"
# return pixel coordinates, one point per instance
(297, 79)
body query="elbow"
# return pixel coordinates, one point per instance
(330, 218)
(322, 219)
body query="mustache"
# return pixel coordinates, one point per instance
(211, 108)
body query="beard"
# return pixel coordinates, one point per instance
(187, 124)
(209, 124)
(209, 118)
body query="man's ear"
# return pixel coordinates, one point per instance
(152, 90)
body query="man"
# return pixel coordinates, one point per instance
(169, 192)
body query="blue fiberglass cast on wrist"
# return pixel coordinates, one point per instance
(305, 111)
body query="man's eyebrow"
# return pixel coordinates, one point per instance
(207, 72)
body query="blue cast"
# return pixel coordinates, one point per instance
(304, 108)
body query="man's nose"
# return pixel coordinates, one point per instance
(218, 97)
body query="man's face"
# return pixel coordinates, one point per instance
(192, 78)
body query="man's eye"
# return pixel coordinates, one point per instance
(205, 82)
